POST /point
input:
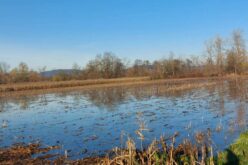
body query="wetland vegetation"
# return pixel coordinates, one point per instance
(178, 122)
(123, 82)
(112, 112)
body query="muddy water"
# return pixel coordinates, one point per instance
(91, 122)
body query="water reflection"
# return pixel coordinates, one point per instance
(106, 98)
(109, 98)
(94, 119)
(241, 115)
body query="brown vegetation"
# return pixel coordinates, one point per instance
(23, 154)
(67, 84)
(44, 87)
(162, 151)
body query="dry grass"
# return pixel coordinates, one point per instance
(29, 86)
(65, 84)
(82, 83)
(162, 151)
(23, 154)
(11, 90)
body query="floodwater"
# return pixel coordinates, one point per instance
(91, 122)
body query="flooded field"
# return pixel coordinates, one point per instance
(91, 122)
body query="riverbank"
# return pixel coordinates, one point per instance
(66, 84)
(50, 87)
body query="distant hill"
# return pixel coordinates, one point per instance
(51, 73)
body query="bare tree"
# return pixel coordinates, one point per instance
(20, 74)
(214, 57)
(172, 63)
(42, 69)
(219, 54)
(105, 66)
(239, 51)
(4, 67)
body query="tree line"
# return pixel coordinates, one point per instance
(221, 57)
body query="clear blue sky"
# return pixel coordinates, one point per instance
(57, 33)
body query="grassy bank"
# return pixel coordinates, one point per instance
(30, 86)
(237, 153)
(168, 85)
(44, 85)
(66, 84)
(159, 152)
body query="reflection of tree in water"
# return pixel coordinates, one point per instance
(43, 100)
(3, 105)
(111, 97)
(238, 92)
(108, 97)
(77, 98)
(237, 89)
(211, 92)
(62, 94)
(241, 115)
(22, 101)
(221, 95)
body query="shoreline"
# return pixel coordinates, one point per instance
(37, 88)
(161, 151)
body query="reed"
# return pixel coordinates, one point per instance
(159, 152)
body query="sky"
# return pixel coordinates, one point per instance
(58, 33)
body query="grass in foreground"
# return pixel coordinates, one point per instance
(159, 152)
(237, 153)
